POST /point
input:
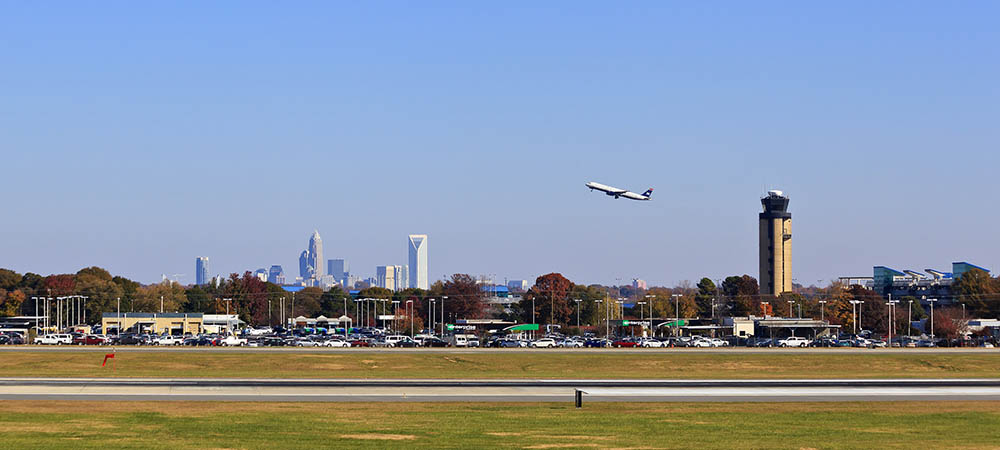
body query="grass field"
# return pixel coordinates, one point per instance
(502, 365)
(52, 424)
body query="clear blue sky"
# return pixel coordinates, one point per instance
(139, 136)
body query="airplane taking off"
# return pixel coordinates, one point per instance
(615, 192)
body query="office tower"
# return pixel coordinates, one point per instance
(639, 284)
(261, 274)
(385, 277)
(775, 244)
(402, 277)
(418, 261)
(311, 260)
(517, 285)
(201, 270)
(276, 275)
(338, 268)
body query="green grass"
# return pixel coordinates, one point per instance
(538, 364)
(171, 425)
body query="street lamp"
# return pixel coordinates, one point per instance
(854, 313)
(651, 297)
(932, 301)
(430, 315)
(822, 309)
(909, 318)
(409, 305)
(577, 313)
(443, 298)
(790, 302)
(677, 314)
(641, 323)
(606, 326)
(395, 315)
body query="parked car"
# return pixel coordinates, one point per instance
(650, 343)
(54, 339)
(90, 339)
(543, 343)
(793, 341)
(596, 343)
(168, 340)
(626, 342)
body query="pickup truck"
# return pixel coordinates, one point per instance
(54, 339)
(168, 340)
(232, 341)
(794, 341)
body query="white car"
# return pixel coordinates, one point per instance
(338, 343)
(793, 341)
(168, 340)
(716, 342)
(544, 343)
(650, 343)
(701, 343)
(571, 343)
(232, 341)
(54, 339)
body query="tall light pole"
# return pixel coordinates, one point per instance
(651, 297)
(409, 304)
(641, 323)
(577, 313)
(395, 315)
(932, 301)
(861, 316)
(888, 312)
(822, 310)
(430, 315)
(605, 316)
(909, 318)
(621, 311)
(677, 314)
(790, 302)
(854, 304)
(443, 298)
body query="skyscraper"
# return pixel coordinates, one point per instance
(418, 261)
(201, 270)
(385, 277)
(276, 275)
(338, 268)
(775, 244)
(402, 277)
(311, 260)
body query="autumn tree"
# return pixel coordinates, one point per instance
(101, 291)
(977, 290)
(148, 298)
(742, 295)
(466, 299)
(949, 323)
(307, 302)
(551, 299)
(10, 302)
(249, 297)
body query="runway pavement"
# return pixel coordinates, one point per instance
(496, 390)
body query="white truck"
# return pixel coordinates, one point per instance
(794, 341)
(464, 340)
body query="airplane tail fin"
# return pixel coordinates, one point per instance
(648, 193)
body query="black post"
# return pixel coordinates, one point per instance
(579, 398)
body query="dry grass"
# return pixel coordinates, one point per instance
(137, 363)
(49, 424)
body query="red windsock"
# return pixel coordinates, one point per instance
(106, 357)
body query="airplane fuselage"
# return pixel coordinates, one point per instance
(617, 192)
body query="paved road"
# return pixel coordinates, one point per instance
(741, 350)
(496, 390)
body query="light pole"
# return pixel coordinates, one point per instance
(577, 313)
(790, 302)
(861, 316)
(854, 304)
(621, 312)
(888, 312)
(443, 298)
(909, 318)
(766, 307)
(651, 297)
(932, 301)
(640, 316)
(963, 311)
(822, 310)
(677, 314)
(430, 315)
(605, 316)
(409, 304)
(395, 315)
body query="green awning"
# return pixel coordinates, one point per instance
(525, 327)
(676, 323)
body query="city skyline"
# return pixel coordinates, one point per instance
(880, 125)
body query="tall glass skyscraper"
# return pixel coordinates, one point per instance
(201, 270)
(418, 261)
(311, 260)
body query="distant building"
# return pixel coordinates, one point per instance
(775, 225)
(402, 277)
(639, 284)
(932, 284)
(261, 274)
(311, 260)
(276, 275)
(339, 269)
(418, 261)
(517, 285)
(386, 277)
(201, 270)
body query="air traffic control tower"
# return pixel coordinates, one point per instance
(775, 244)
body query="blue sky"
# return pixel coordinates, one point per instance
(138, 136)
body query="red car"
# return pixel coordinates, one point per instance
(90, 339)
(625, 343)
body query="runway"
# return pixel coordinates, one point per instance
(385, 390)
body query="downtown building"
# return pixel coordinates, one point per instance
(417, 270)
(311, 261)
(201, 270)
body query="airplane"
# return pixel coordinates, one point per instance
(616, 193)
